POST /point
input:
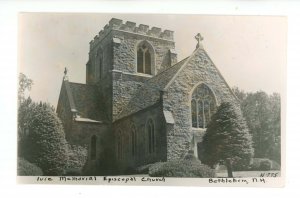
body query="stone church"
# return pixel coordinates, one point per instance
(139, 104)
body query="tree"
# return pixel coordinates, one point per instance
(44, 143)
(25, 84)
(227, 139)
(262, 114)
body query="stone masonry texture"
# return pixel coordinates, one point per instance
(116, 99)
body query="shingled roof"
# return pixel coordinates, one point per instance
(84, 99)
(149, 93)
(161, 80)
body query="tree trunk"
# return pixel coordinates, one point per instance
(229, 167)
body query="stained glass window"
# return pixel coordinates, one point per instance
(203, 105)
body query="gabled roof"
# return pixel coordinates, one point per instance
(161, 80)
(149, 93)
(144, 97)
(84, 101)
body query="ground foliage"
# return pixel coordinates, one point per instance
(26, 168)
(187, 167)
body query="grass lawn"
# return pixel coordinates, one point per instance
(223, 173)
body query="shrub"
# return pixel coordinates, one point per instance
(45, 143)
(143, 169)
(241, 165)
(275, 165)
(188, 167)
(77, 156)
(72, 172)
(263, 164)
(25, 168)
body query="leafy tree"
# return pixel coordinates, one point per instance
(43, 143)
(25, 83)
(262, 113)
(240, 94)
(227, 138)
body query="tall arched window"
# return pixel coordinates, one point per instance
(119, 145)
(93, 147)
(203, 105)
(150, 131)
(133, 141)
(145, 58)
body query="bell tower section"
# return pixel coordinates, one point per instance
(123, 56)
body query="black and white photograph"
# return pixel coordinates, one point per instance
(151, 99)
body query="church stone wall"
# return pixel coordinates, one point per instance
(177, 100)
(82, 132)
(125, 51)
(126, 81)
(125, 86)
(118, 42)
(143, 156)
(105, 83)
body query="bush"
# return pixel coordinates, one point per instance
(45, 143)
(275, 165)
(77, 156)
(143, 169)
(25, 168)
(188, 167)
(72, 172)
(263, 164)
(241, 165)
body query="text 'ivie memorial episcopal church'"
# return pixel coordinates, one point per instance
(139, 104)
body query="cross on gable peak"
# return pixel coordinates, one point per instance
(199, 38)
(66, 74)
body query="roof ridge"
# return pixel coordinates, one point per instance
(70, 96)
(83, 84)
(221, 76)
(167, 69)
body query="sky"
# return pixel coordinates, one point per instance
(249, 51)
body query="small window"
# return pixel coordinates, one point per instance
(151, 136)
(119, 146)
(93, 147)
(133, 141)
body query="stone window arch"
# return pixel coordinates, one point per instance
(133, 141)
(93, 147)
(203, 106)
(150, 132)
(119, 145)
(145, 58)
